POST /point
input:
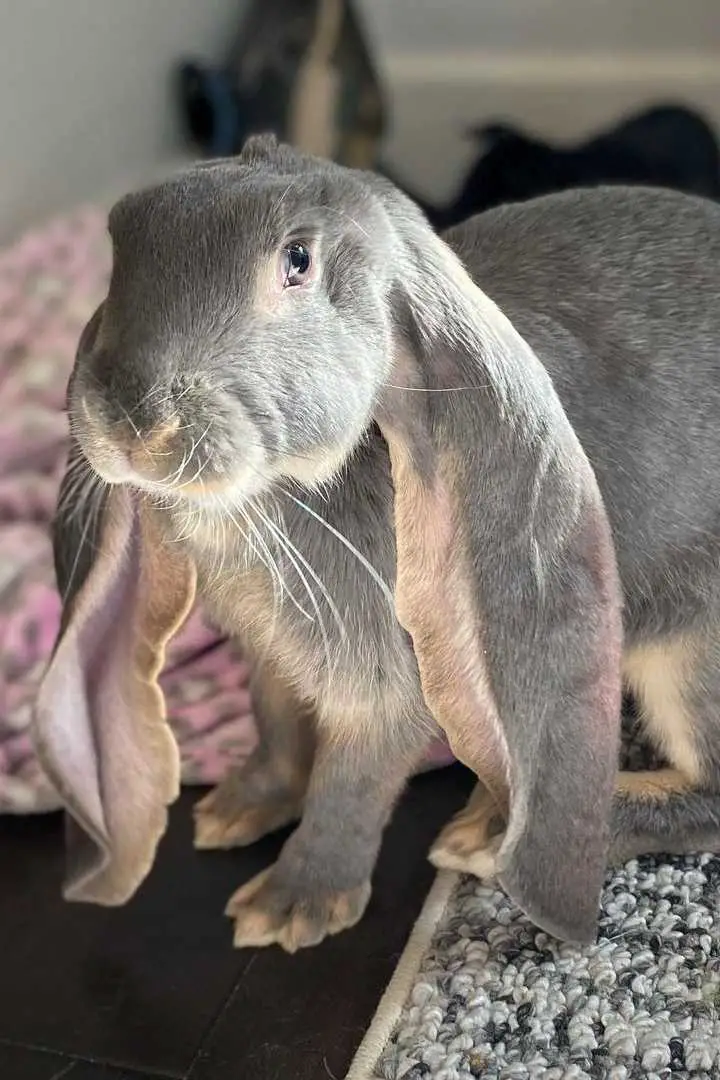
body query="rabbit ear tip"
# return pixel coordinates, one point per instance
(259, 145)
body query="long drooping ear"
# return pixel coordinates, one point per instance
(506, 581)
(99, 725)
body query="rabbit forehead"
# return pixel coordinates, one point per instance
(194, 252)
(232, 209)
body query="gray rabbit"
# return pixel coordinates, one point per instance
(467, 486)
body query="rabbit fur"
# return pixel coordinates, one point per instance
(467, 486)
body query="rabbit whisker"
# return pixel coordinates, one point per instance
(280, 531)
(197, 443)
(89, 521)
(282, 526)
(279, 585)
(219, 531)
(156, 388)
(75, 480)
(277, 594)
(78, 464)
(184, 534)
(382, 585)
(83, 485)
(298, 561)
(182, 393)
(439, 389)
(133, 425)
(261, 550)
(197, 474)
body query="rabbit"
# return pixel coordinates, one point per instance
(465, 487)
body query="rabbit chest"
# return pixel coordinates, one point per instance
(307, 585)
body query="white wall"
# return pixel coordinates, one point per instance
(86, 104)
(408, 26)
(561, 68)
(86, 94)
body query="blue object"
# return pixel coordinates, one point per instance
(211, 109)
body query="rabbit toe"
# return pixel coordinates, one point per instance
(480, 862)
(471, 841)
(267, 911)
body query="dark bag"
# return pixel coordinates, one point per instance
(666, 146)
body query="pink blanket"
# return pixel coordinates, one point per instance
(50, 284)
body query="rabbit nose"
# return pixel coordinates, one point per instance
(160, 442)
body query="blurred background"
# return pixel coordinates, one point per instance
(89, 99)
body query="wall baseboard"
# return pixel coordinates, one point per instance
(436, 98)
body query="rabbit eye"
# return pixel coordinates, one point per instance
(296, 263)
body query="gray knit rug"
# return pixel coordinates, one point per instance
(480, 992)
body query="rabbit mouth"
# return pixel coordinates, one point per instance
(172, 458)
(226, 461)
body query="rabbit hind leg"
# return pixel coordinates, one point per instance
(674, 809)
(470, 842)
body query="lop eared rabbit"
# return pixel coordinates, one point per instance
(467, 486)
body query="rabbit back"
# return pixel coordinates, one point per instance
(617, 293)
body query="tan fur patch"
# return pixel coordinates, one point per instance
(242, 602)
(480, 862)
(217, 831)
(268, 791)
(204, 487)
(475, 825)
(149, 453)
(434, 605)
(160, 440)
(293, 723)
(656, 785)
(169, 583)
(470, 842)
(659, 674)
(315, 469)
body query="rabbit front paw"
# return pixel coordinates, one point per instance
(270, 911)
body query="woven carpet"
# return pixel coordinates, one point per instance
(480, 992)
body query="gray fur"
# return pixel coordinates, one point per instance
(616, 293)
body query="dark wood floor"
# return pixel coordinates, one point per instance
(155, 989)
